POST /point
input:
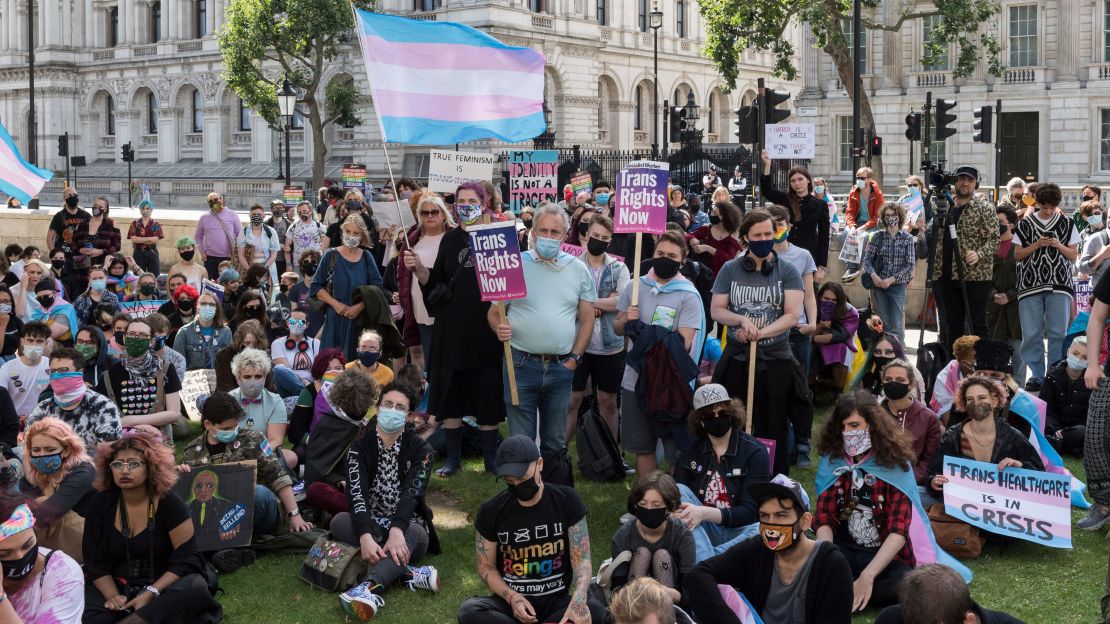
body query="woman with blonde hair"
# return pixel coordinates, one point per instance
(434, 220)
(59, 475)
(342, 271)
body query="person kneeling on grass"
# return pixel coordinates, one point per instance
(387, 474)
(785, 575)
(223, 442)
(533, 548)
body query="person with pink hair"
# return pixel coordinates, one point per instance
(59, 476)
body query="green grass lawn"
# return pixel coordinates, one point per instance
(1039, 585)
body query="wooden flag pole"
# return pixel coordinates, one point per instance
(751, 382)
(636, 270)
(508, 355)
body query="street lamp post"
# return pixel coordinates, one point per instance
(287, 103)
(655, 20)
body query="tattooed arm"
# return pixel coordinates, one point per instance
(487, 571)
(578, 612)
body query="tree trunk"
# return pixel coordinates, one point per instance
(842, 59)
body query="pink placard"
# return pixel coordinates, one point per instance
(640, 202)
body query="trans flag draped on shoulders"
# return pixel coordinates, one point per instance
(438, 83)
(1034, 410)
(925, 548)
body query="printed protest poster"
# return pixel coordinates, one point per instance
(531, 178)
(791, 141)
(1083, 291)
(495, 250)
(354, 177)
(577, 251)
(1027, 504)
(915, 207)
(640, 203)
(387, 214)
(582, 182)
(212, 287)
(197, 384)
(220, 500)
(292, 195)
(141, 308)
(448, 169)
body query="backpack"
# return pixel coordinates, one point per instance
(599, 457)
(332, 565)
(557, 468)
(931, 360)
(957, 538)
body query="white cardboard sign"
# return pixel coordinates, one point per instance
(791, 141)
(448, 169)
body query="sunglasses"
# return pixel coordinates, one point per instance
(429, 213)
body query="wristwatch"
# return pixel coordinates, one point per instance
(576, 357)
(295, 512)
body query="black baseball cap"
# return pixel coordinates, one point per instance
(968, 171)
(515, 454)
(780, 487)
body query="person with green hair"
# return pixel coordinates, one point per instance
(144, 234)
(194, 273)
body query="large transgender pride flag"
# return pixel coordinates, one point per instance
(437, 83)
(19, 178)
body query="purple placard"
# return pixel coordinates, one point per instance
(495, 251)
(640, 204)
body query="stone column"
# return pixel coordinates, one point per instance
(1067, 37)
(811, 83)
(213, 134)
(169, 138)
(90, 135)
(127, 129)
(892, 50)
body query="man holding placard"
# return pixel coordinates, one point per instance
(548, 331)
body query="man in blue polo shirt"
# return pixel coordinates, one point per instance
(548, 331)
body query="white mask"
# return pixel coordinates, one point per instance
(857, 442)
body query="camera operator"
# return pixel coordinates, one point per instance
(967, 239)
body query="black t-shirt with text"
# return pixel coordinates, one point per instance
(140, 397)
(65, 226)
(533, 543)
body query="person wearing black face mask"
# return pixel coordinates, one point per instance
(785, 575)
(657, 544)
(298, 292)
(604, 357)
(28, 567)
(545, 518)
(715, 471)
(920, 422)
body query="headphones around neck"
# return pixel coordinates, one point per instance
(748, 263)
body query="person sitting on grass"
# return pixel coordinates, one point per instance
(387, 471)
(367, 358)
(541, 518)
(868, 503)
(659, 546)
(348, 403)
(935, 593)
(783, 574)
(922, 425)
(835, 333)
(59, 474)
(962, 365)
(41, 585)
(714, 473)
(646, 601)
(1067, 399)
(224, 442)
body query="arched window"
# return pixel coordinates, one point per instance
(151, 114)
(202, 18)
(198, 116)
(110, 114)
(639, 120)
(244, 117)
(155, 22)
(712, 123)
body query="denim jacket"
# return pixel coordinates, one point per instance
(198, 352)
(614, 277)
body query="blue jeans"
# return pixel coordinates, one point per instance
(890, 303)
(1042, 313)
(286, 381)
(711, 539)
(265, 510)
(544, 390)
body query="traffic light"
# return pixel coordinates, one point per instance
(747, 124)
(771, 100)
(913, 126)
(678, 123)
(943, 118)
(128, 153)
(63, 145)
(984, 119)
(876, 146)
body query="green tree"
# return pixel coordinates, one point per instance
(265, 41)
(735, 26)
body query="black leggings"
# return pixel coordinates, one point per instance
(884, 591)
(187, 601)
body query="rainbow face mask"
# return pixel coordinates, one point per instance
(781, 235)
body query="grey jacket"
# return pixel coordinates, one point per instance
(1093, 246)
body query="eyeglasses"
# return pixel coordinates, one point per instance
(131, 465)
(392, 405)
(429, 213)
(135, 335)
(60, 369)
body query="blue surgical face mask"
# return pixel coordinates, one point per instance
(228, 436)
(47, 464)
(547, 247)
(1095, 220)
(1076, 364)
(860, 183)
(818, 190)
(761, 248)
(915, 191)
(602, 199)
(391, 419)
(207, 312)
(98, 284)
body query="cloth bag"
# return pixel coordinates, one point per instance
(957, 538)
(332, 565)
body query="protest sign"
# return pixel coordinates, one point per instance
(220, 500)
(791, 141)
(640, 204)
(448, 169)
(577, 251)
(354, 177)
(388, 214)
(292, 195)
(495, 250)
(208, 286)
(915, 207)
(141, 308)
(1027, 504)
(582, 182)
(531, 178)
(1083, 291)
(197, 384)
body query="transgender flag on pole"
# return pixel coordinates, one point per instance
(19, 178)
(437, 83)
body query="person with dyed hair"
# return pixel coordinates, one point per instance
(59, 474)
(41, 585)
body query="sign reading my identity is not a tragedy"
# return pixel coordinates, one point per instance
(495, 251)
(640, 204)
(531, 178)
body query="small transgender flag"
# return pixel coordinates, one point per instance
(739, 605)
(19, 178)
(438, 83)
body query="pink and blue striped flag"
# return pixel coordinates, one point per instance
(19, 178)
(438, 83)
